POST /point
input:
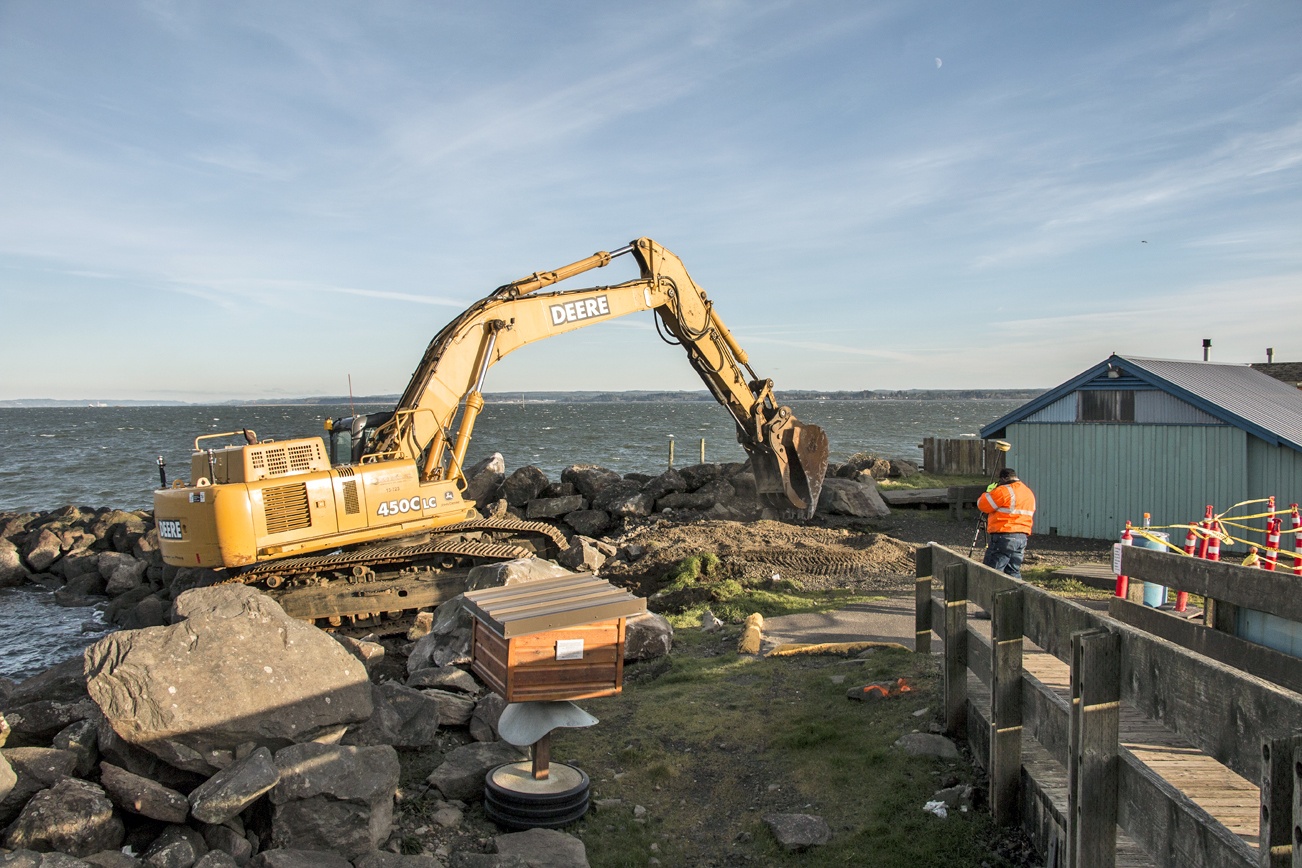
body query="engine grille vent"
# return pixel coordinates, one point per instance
(346, 472)
(351, 504)
(285, 508)
(279, 460)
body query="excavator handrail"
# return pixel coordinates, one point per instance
(242, 432)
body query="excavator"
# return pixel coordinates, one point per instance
(369, 541)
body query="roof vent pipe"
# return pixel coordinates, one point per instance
(1270, 355)
(1207, 348)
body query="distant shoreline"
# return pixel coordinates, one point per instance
(577, 397)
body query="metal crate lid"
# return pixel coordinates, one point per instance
(551, 604)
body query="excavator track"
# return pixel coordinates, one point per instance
(513, 525)
(379, 588)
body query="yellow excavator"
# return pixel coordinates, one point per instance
(359, 544)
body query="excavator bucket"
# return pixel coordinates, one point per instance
(806, 460)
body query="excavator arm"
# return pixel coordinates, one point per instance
(434, 419)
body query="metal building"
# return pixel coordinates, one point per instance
(1134, 435)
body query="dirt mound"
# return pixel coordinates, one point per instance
(755, 552)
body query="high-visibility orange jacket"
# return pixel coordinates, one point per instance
(1010, 508)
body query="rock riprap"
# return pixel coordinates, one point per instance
(235, 672)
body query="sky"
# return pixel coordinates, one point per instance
(204, 201)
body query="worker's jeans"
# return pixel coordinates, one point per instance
(1005, 553)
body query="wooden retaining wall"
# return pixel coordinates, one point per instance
(1111, 745)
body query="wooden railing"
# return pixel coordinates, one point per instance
(1030, 736)
(1227, 588)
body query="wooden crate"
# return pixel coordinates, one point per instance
(555, 639)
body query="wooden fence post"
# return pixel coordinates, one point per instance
(1092, 749)
(1275, 838)
(922, 601)
(956, 651)
(1006, 706)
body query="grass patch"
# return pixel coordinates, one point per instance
(927, 480)
(770, 604)
(708, 742)
(1043, 577)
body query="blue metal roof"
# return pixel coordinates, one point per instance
(1236, 394)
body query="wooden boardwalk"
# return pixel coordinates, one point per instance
(1227, 798)
(1129, 736)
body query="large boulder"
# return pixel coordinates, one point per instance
(280, 681)
(403, 717)
(647, 636)
(34, 769)
(334, 798)
(12, 571)
(584, 555)
(543, 848)
(588, 522)
(589, 480)
(554, 507)
(461, 775)
(847, 497)
(64, 681)
(42, 550)
(616, 492)
(666, 483)
(696, 475)
(36, 723)
(142, 796)
(484, 480)
(505, 573)
(73, 817)
(524, 485)
(227, 793)
(7, 778)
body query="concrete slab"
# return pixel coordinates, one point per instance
(887, 620)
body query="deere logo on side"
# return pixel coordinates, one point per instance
(585, 308)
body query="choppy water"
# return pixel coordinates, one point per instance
(107, 456)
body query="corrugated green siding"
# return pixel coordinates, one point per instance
(1275, 470)
(1090, 478)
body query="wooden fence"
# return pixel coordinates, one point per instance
(1111, 745)
(961, 457)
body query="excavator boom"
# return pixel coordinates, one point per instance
(789, 457)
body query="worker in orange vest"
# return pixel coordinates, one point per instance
(1009, 506)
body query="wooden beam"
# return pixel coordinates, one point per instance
(922, 615)
(1092, 769)
(1005, 767)
(1276, 832)
(1267, 663)
(956, 650)
(1252, 588)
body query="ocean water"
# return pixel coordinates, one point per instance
(107, 456)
